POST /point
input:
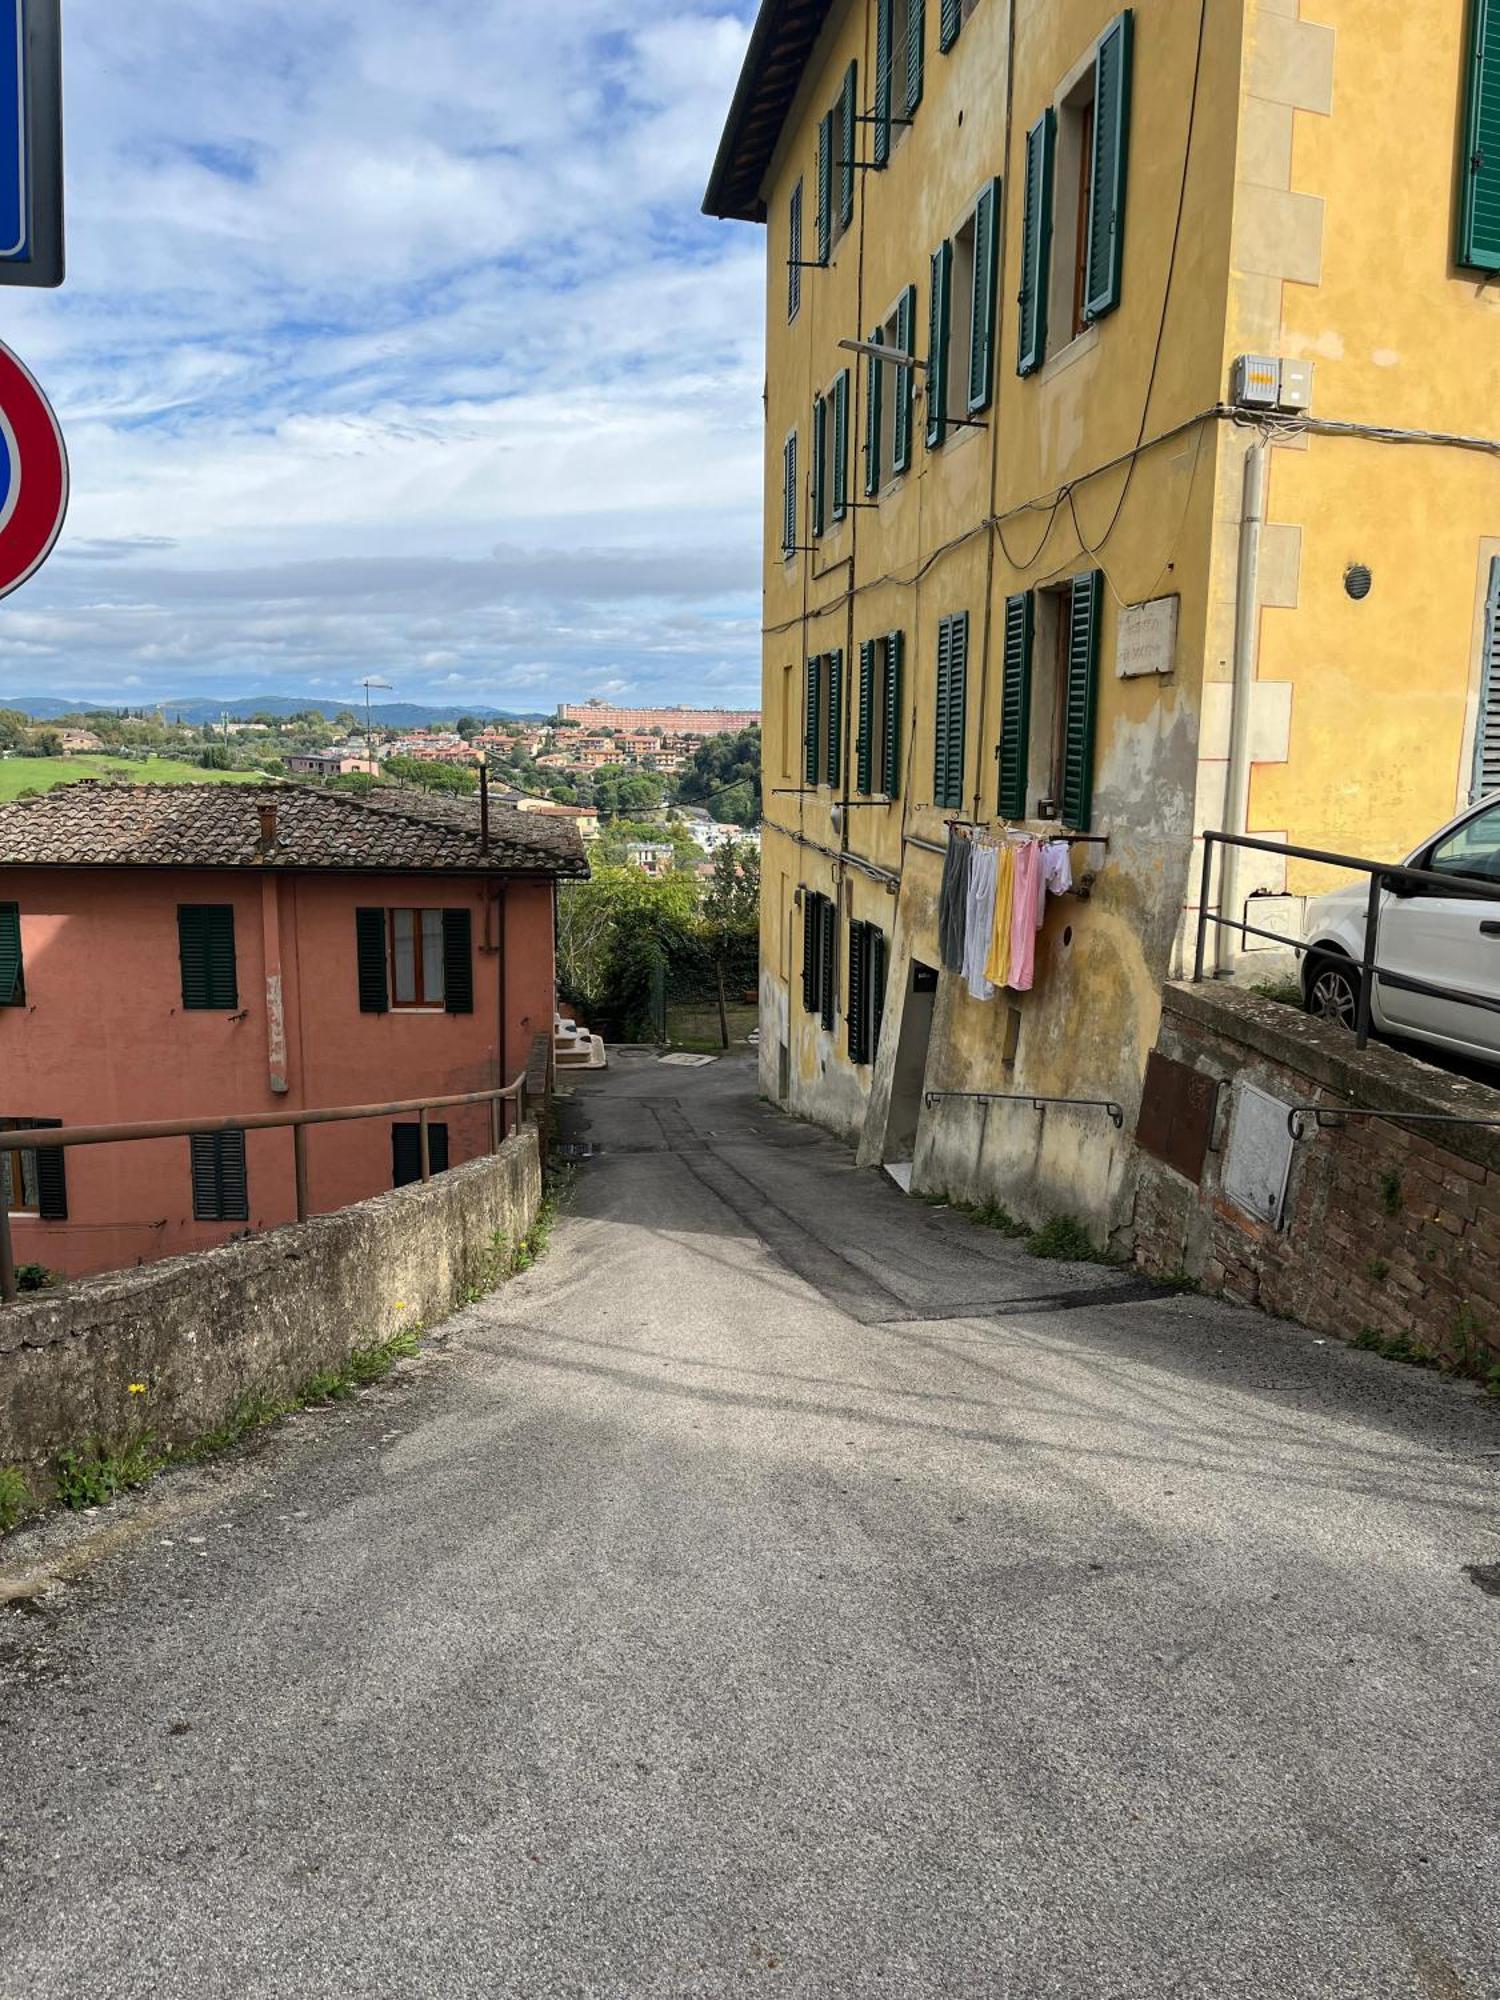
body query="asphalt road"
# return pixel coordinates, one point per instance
(790, 1587)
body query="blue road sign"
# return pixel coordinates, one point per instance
(31, 163)
(15, 138)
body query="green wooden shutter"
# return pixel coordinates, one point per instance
(840, 481)
(1487, 730)
(12, 985)
(220, 1182)
(939, 317)
(895, 645)
(205, 947)
(950, 21)
(834, 767)
(916, 38)
(818, 503)
(370, 958)
(850, 125)
(812, 756)
(942, 696)
(1015, 704)
(828, 961)
(1081, 699)
(1036, 244)
(958, 710)
(458, 962)
(811, 934)
(876, 976)
(51, 1178)
(874, 393)
(794, 253)
(906, 328)
(1106, 237)
(825, 186)
(1479, 206)
(982, 313)
(855, 1020)
(864, 777)
(883, 81)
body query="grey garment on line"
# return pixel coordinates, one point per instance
(953, 903)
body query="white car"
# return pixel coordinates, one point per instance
(1449, 940)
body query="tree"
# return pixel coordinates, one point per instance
(619, 933)
(346, 720)
(618, 790)
(468, 727)
(731, 901)
(432, 777)
(14, 727)
(724, 774)
(216, 758)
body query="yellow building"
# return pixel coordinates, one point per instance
(1187, 516)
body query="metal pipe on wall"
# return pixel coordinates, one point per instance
(1246, 650)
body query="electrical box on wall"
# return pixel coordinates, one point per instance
(1261, 382)
(1296, 385)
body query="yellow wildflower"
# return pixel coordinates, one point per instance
(137, 1388)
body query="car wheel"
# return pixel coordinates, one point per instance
(1331, 991)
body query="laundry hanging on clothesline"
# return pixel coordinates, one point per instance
(992, 903)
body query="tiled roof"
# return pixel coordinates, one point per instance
(94, 825)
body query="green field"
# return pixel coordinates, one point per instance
(40, 774)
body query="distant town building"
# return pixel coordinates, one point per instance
(675, 721)
(329, 763)
(78, 741)
(652, 857)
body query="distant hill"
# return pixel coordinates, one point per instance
(397, 714)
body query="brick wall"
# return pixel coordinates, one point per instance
(1388, 1226)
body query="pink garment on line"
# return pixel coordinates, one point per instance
(1023, 922)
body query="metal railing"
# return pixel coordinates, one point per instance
(1384, 876)
(1114, 1112)
(30, 1139)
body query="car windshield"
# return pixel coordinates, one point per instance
(1473, 850)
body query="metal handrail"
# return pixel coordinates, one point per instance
(1115, 1112)
(1382, 874)
(30, 1139)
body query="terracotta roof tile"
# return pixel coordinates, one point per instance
(94, 825)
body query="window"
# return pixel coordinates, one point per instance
(866, 990)
(794, 254)
(819, 950)
(221, 1191)
(789, 496)
(1076, 159)
(830, 466)
(877, 746)
(952, 712)
(954, 14)
(961, 334)
(1473, 851)
(1479, 206)
(414, 959)
(34, 1181)
(1486, 778)
(823, 719)
(838, 141)
(406, 1151)
(900, 31)
(205, 944)
(12, 972)
(888, 397)
(1048, 699)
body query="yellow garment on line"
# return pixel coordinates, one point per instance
(997, 969)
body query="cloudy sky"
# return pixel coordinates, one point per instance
(393, 342)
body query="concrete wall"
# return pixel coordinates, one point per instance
(202, 1332)
(1388, 1226)
(104, 1039)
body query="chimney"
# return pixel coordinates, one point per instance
(267, 809)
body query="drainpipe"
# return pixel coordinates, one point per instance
(1246, 646)
(270, 924)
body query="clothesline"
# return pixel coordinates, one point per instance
(993, 902)
(1066, 839)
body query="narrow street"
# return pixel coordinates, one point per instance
(786, 1585)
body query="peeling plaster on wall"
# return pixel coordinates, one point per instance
(1385, 357)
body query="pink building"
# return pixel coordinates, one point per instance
(173, 952)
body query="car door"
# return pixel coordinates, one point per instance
(1449, 940)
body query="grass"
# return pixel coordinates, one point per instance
(696, 1029)
(16, 1498)
(41, 774)
(1287, 990)
(1062, 1239)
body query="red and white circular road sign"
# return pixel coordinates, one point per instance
(33, 474)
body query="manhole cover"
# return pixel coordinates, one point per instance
(689, 1062)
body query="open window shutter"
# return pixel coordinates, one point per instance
(883, 25)
(916, 38)
(1487, 730)
(819, 501)
(1081, 698)
(1106, 242)
(1036, 244)
(1479, 205)
(840, 480)
(958, 685)
(828, 966)
(458, 961)
(982, 313)
(811, 749)
(825, 186)
(850, 127)
(906, 328)
(943, 695)
(12, 991)
(875, 974)
(810, 936)
(874, 391)
(858, 992)
(891, 776)
(939, 318)
(949, 23)
(864, 781)
(192, 950)
(1015, 704)
(794, 253)
(834, 757)
(369, 945)
(51, 1179)
(204, 1172)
